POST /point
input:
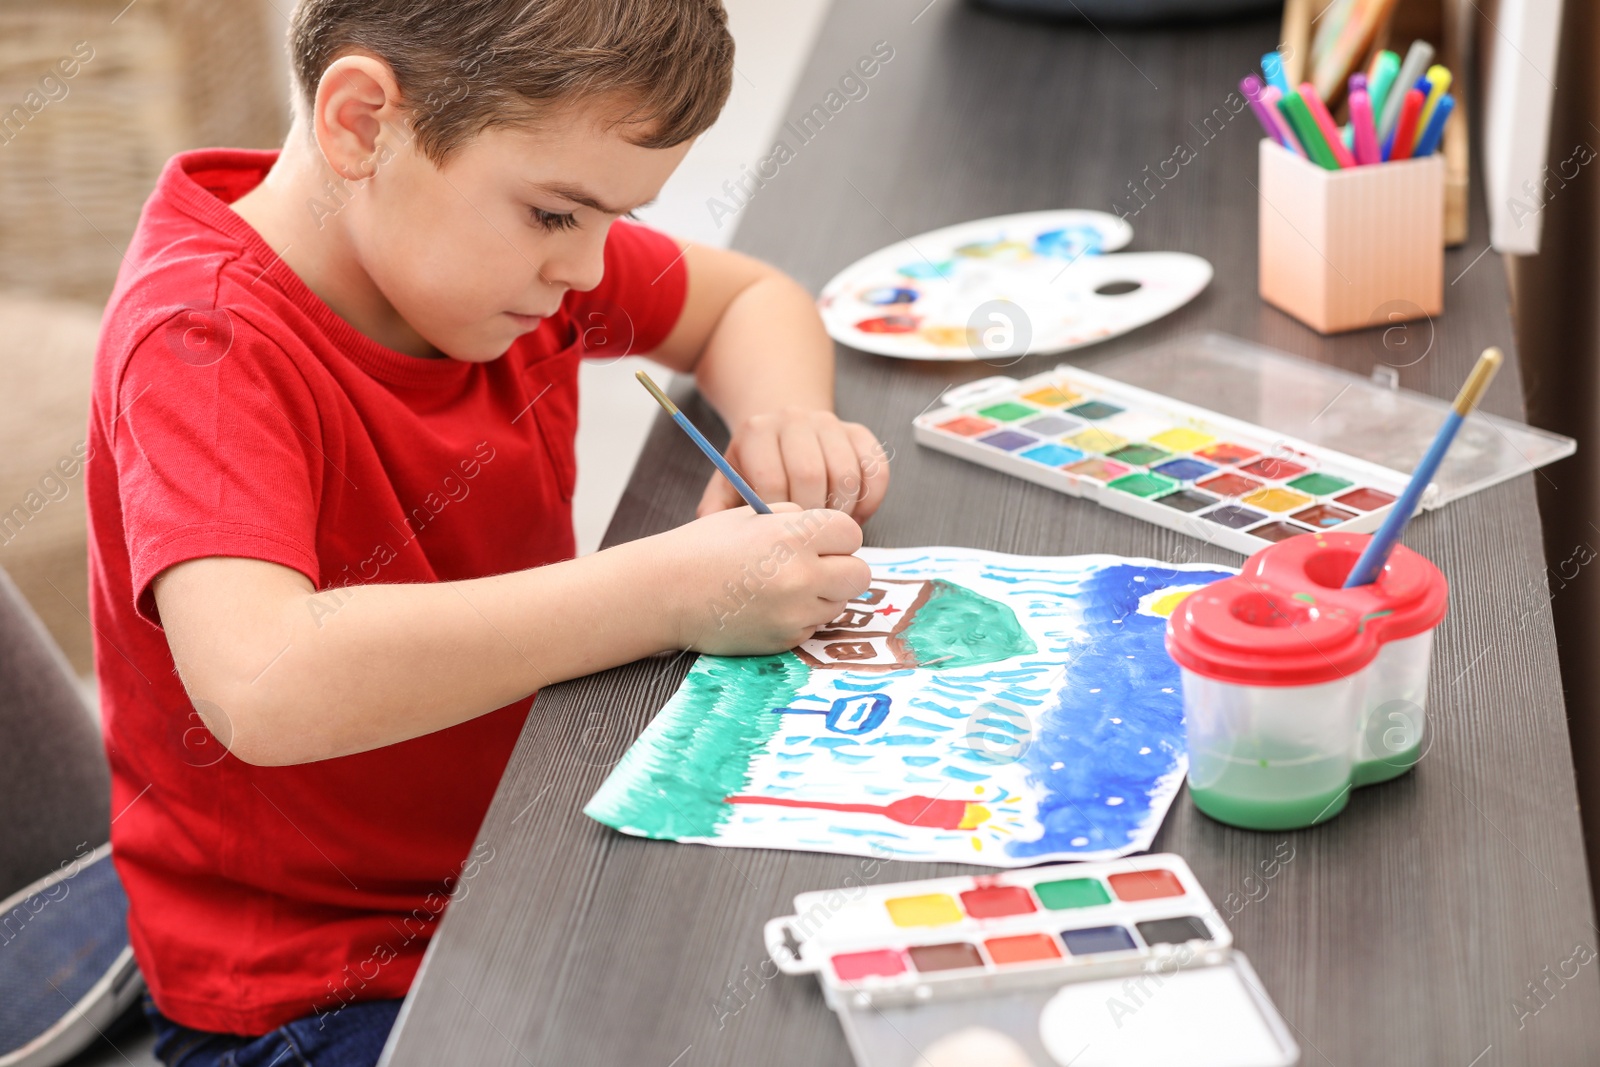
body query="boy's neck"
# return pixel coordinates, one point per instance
(289, 210)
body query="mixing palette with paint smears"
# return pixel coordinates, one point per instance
(1211, 475)
(1084, 964)
(1038, 282)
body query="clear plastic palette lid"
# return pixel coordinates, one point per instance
(1366, 418)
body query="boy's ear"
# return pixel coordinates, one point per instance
(357, 97)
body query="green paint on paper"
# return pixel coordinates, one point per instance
(672, 784)
(1008, 411)
(956, 627)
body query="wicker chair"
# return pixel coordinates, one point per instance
(95, 96)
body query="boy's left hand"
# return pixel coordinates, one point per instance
(806, 457)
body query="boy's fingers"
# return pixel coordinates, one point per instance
(756, 456)
(826, 533)
(804, 465)
(844, 469)
(719, 496)
(843, 578)
(874, 469)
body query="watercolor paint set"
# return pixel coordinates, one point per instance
(1241, 446)
(1088, 964)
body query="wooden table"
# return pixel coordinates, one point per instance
(1406, 930)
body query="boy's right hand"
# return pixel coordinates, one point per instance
(747, 584)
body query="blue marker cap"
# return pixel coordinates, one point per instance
(1428, 143)
(1272, 67)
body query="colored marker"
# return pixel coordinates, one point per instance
(1425, 87)
(1431, 137)
(1380, 79)
(1272, 98)
(1325, 125)
(1399, 144)
(1376, 554)
(1418, 56)
(1252, 88)
(1305, 128)
(1438, 85)
(1366, 134)
(1347, 132)
(742, 486)
(1272, 67)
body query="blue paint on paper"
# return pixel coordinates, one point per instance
(1080, 759)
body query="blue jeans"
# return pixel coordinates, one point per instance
(352, 1036)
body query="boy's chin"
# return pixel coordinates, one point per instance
(481, 346)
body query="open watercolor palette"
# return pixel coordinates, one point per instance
(1037, 282)
(1286, 447)
(1123, 963)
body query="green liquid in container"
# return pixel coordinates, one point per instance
(1389, 765)
(1264, 793)
(1285, 795)
(1257, 814)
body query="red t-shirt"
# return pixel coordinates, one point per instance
(235, 414)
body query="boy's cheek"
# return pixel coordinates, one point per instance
(449, 288)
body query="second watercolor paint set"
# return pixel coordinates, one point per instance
(1087, 964)
(1229, 442)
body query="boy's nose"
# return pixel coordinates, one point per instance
(582, 269)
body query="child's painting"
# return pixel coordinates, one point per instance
(1003, 710)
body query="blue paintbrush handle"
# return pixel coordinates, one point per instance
(723, 465)
(1370, 565)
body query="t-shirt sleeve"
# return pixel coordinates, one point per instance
(215, 457)
(638, 301)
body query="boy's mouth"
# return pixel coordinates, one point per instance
(526, 323)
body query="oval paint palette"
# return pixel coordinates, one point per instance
(1013, 285)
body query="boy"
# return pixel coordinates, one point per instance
(332, 430)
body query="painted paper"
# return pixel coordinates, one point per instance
(972, 706)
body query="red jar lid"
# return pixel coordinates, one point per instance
(1408, 598)
(1248, 631)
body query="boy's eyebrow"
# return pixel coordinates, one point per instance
(578, 196)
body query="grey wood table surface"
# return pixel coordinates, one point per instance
(1412, 929)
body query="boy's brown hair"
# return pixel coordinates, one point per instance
(466, 65)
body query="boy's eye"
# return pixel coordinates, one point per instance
(551, 221)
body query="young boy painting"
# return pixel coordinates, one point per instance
(331, 479)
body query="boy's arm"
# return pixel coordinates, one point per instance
(282, 674)
(752, 338)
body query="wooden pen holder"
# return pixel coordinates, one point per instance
(1347, 249)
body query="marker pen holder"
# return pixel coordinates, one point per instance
(1297, 690)
(1351, 248)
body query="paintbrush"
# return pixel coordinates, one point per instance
(1376, 554)
(705, 446)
